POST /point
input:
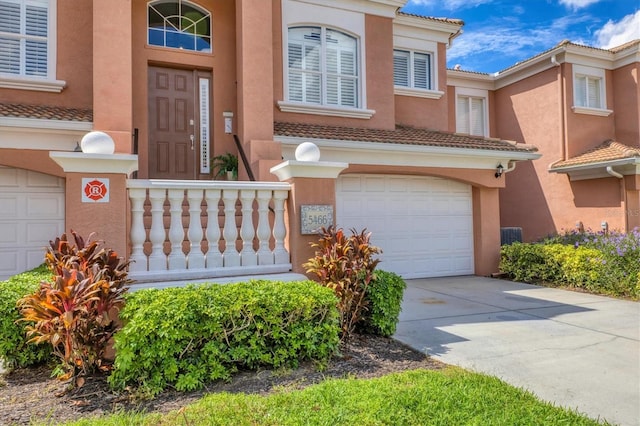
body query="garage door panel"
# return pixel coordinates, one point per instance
(423, 224)
(31, 214)
(8, 233)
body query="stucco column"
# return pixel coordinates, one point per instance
(112, 71)
(254, 53)
(632, 202)
(486, 230)
(312, 183)
(96, 195)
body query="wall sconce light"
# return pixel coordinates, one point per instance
(499, 171)
(228, 122)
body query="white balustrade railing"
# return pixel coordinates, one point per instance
(170, 239)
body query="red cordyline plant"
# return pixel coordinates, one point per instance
(346, 265)
(77, 311)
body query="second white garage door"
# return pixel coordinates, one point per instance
(31, 214)
(424, 225)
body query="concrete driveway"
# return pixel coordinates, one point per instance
(572, 349)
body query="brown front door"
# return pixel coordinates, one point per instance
(173, 149)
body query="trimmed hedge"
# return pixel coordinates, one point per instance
(384, 300)
(557, 264)
(187, 336)
(14, 350)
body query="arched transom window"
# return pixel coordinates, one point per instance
(180, 25)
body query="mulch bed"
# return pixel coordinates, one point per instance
(31, 394)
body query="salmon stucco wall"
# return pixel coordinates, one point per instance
(520, 109)
(586, 131)
(74, 51)
(626, 108)
(423, 112)
(379, 81)
(537, 111)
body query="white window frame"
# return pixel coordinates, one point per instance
(201, 9)
(298, 14)
(425, 47)
(590, 73)
(412, 69)
(464, 92)
(47, 83)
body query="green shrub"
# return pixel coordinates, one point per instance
(76, 312)
(527, 263)
(14, 350)
(384, 297)
(187, 336)
(345, 265)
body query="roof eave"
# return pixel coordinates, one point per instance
(396, 154)
(623, 166)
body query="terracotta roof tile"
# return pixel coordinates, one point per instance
(608, 151)
(45, 112)
(431, 18)
(404, 135)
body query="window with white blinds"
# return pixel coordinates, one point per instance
(323, 67)
(588, 91)
(470, 117)
(24, 37)
(412, 69)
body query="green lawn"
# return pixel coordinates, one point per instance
(422, 397)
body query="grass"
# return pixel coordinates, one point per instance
(420, 397)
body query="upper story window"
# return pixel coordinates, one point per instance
(471, 111)
(412, 69)
(180, 25)
(25, 39)
(323, 67)
(589, 96)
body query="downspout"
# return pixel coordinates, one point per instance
(623, 193)
(614, 173)
(561, 92)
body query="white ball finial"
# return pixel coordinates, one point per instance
(97, 143)
(307, 151)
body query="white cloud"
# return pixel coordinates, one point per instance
(614, 34)
(450, 4)
(577, 4)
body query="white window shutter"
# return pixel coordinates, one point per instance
(477, 117)
(580, 89)
(462, 118)
(9, 17)
(593, 90)
(401, 68)
(421, 71)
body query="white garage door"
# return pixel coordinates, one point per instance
(424, 225)
(31, 214)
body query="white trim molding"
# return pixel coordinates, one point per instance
(79, 162)
(390, 154)
(624, 166)
(36, 84)
(308, 169)
(326, 110)
(592, 111)
(417, 93)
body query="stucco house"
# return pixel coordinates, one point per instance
(174, 83)
(580, 106)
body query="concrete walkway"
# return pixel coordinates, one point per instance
(576, 350)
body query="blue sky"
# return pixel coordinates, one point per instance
(499, 33)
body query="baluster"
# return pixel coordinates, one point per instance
(280, 254)
(231, 257)
(177, 258)
(214, 257)
(157, 234)
(265, 256)
(196, 257)
(248, 256)
(137, 234)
